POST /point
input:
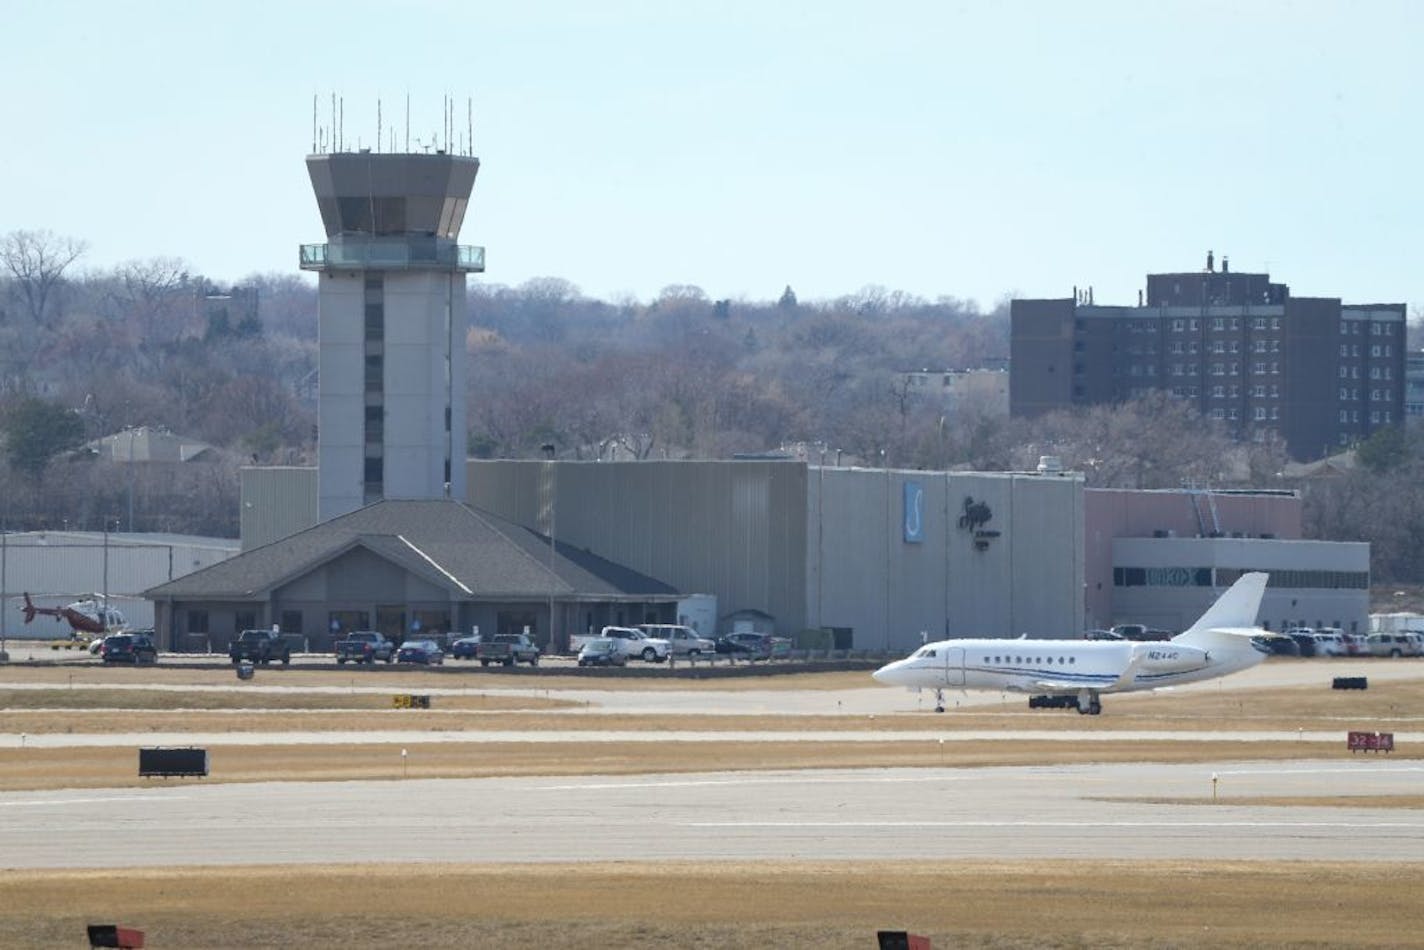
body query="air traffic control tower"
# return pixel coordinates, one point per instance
(391, 319)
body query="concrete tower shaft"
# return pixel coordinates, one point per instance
(391, 316)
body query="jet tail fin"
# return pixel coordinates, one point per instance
(1237, 608)
(29, 609)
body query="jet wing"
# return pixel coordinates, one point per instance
(1055, 686)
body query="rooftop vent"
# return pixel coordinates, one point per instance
(1050, 465)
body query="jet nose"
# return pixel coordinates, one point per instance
(886, 674)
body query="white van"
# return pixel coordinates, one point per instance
(682, 641)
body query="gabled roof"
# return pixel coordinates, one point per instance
(470, 552)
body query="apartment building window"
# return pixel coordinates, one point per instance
(1260, 392)
(1374, 417)
(1259, 323)
(1233, 414)
(1344, 327)
(1388, 374)
(1192, 346)
(1354, 372)
(1275, 391)
(1218, 346)
(1258, 368)
(1374, 372)
(1275, 346)
(1275, 412)
(1344, 415)
(1386, 415)
(1354, 349)
(1218, 414)
(1176, 369)
(1344, 372)
(1178, 326)
(1218, 323)
(1375, 350)
(1344, 392)
(1218, 369)
(1344, 349)
(1260, 413)
(1276, 369)
(1151, 369)
(1236, 346)
(1386, 349)
(1192, 324)
(1235, 369)
(1259, 346)
(1235, 323)
(1275, 323)
(1355, 327)
(1218, 392)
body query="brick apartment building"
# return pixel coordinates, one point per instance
(1316, 372)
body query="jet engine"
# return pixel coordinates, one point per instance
(1170, 658)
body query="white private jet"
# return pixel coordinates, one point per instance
(1220, 642)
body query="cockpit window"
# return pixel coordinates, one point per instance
(925, 652)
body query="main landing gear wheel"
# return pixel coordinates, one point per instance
(939, 700)
(1089, 705)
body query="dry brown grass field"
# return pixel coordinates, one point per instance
(967, 904)
(964, 904)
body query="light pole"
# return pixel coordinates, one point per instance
(550, 474)
(132, 432)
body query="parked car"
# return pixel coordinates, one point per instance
(427, 652)
(1280, 644)
(1329, 643)
(1101, 635)
(635, 643)
(1355, 644)
(464, 648)
(259, 646)
(1304, 641)
(753, 646)
(364, 646)
(507, 649)
(1392, 644)
(601, 651)
(132, 648)
(683, 640)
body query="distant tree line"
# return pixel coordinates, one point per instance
(86, 353)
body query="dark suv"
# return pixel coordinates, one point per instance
(132, 648)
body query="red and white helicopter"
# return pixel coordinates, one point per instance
(89, 617)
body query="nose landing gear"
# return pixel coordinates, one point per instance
(939, 700)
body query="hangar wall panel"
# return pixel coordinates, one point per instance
(733, 529)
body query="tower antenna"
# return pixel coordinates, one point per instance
(331, 139)
(470, 121)
(313, 123)
(407, 122)
(341, 129)
(378, 125)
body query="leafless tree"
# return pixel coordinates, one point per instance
(37, 261)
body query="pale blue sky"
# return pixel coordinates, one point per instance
(968, 149)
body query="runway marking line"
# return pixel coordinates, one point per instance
(92, 801)
(1057, 824)
(770, 780)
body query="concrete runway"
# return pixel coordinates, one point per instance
(935, 813)
(862, 814)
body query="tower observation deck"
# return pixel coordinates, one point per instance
(391, 318)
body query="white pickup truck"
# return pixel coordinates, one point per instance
(632, 643)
